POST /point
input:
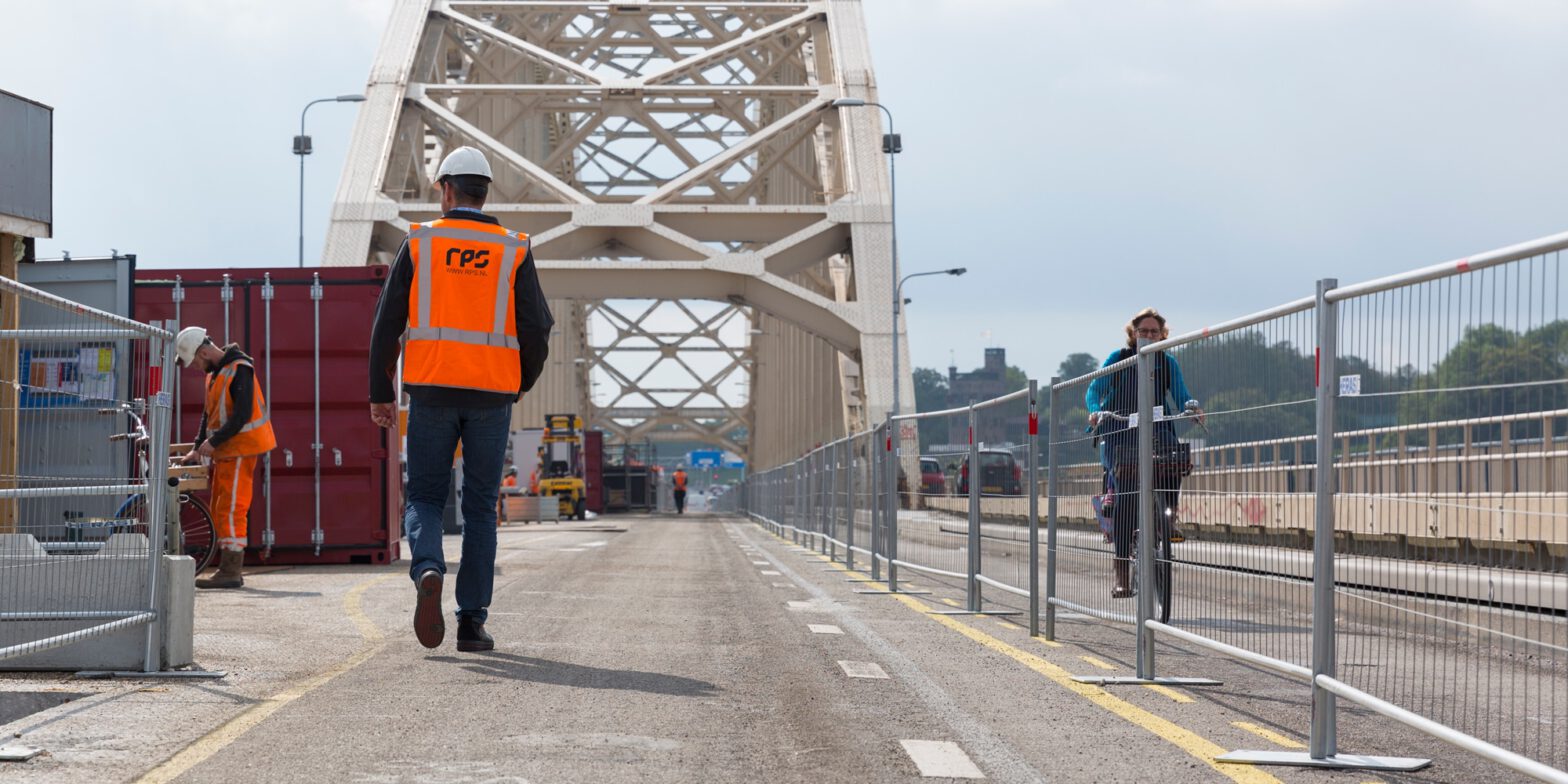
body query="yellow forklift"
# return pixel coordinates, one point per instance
(561, 464)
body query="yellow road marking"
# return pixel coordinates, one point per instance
(1049, 643)
(1169, 692)
(1008, 625)
(1268, 735)
(948, 601)
(1098, 663)
(215, 741)
(1173, 733)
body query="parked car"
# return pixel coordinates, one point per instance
(1000, 473)
(932, 481)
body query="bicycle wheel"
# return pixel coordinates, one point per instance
(197, 533)
(197, 537)
(1162, 577)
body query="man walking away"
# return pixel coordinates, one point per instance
(236, 430)
(680, 489)
(464, 293)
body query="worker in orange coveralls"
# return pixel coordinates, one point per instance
(236, 430)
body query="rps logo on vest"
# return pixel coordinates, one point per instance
(467, 261)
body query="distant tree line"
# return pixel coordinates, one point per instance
(1254, 389)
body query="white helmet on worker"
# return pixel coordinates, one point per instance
(187, 342)
(464, 160)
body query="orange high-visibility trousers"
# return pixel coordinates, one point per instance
(231, 483)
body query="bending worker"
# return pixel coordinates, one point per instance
(679, 478)
(236, 430)
(465, 295)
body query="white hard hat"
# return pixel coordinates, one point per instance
(464, 160)
(186, 343)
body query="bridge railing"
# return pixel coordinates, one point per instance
(1379, 479)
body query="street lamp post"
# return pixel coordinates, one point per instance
(892, 144)
(302, 149)
(898, 301)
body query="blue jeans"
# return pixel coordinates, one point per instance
(433, 436)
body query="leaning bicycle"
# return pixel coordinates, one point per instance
(190, 531)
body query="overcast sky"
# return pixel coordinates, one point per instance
(1083, 159)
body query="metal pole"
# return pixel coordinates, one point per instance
(1323, 742)
(892, 501)
(973, 583)
(267, 290)
(1052, 472)
(226, 295)
(178, 295)
(849, 501)
(833, 468)
(1033, 465)
(160, 351)
(316, 536)
(1145, 565)
(878, 477)
(892, 200)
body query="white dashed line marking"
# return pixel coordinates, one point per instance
(770, 573)
(856, 669)
(824, 628)
(941, 759)
(759, 563)
(798, 605)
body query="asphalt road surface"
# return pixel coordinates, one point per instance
(664, 649)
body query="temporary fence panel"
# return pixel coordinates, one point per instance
(933, 496)
(1081, 547)
(1451, 547)
(74, 546)
(1242, 576)
(332, 490)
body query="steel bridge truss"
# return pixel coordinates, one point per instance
(664, 151)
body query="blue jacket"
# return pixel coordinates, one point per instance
(1096, 397)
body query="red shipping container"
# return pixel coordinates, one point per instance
(360, 478)
(593, 470)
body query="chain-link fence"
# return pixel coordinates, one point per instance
(84, 441)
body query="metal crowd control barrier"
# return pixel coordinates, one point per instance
(1408, 378)
(1393, 493)
(70, 545)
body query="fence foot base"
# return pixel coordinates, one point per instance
(18, 753)
(862, 580)
(98, 675)
(1302, 759)
(1133, 680)
(973, 612)
(903, 591)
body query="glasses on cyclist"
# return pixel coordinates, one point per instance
(1150, 333)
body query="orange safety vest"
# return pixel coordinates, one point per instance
(680, 480)
(255, 436)
(461, 333)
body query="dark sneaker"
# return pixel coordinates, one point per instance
(471, 636)
(429, 623)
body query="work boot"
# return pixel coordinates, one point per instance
(471, 636)
(228, 574)
(1123, 568)
(429, 623)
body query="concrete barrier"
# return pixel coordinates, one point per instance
(112, 580)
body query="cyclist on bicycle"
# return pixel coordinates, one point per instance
(1117, 394)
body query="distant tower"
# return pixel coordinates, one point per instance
(692, 196)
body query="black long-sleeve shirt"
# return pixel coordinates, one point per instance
(531, 315)
(241, 399)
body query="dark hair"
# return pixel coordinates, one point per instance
(472, 189)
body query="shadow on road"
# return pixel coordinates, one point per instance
(527, 668)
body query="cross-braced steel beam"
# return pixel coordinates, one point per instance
(667, 152)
